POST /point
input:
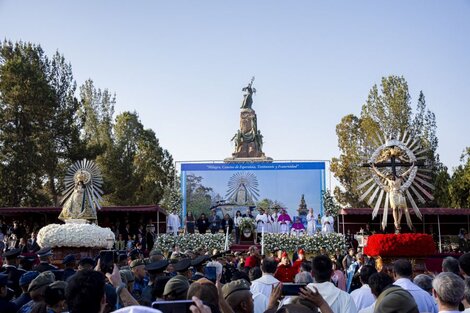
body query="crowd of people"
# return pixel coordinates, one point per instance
(22, 234)
(277, 221)
(334, 281)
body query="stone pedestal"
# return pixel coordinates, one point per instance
(248, 140)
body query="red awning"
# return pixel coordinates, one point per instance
(424, 211)
(136, 209)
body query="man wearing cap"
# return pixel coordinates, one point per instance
(238, 295)
(5, 305)
(86, 264)
(155, 270)
(198, 265)
(45, 259)
(176, 288)
(69, 263)
(182, 268)
(11, 270)
(141, 281)
(27, 261)
(24, 282)
(37, 290)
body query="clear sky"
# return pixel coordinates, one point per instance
(181, 64)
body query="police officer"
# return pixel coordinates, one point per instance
(11, 270)
(182, 268)
(45, 259)
(141, 279)
(24, 282)
(198, 265)
(69, 263)
(5, 305)
(155, 270)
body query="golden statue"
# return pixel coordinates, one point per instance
(83, 193)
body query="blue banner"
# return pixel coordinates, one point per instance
(234, 186)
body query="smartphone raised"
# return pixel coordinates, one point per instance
(210, 272)
(289, 289)
(107, 260)
(180, 306)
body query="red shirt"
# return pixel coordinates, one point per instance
(252, 261)
(285, 273)
(296, 266)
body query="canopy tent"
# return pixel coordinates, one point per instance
(50, 214)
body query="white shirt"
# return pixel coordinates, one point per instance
(261, 220)
(423, 299)
(310, 224)
(369, 309)
(363, 297)
(327, 228)
(264, 285)
(338, 300)
(173, 223)
(260, 302)
(236, 220)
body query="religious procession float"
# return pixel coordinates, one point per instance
(80, 235)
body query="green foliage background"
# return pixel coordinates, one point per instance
(45, 125)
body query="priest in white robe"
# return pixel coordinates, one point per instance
(173, 223)
(310, 222)
(327, 224)
(261, 222)
(275, 221)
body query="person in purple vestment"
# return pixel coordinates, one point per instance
(298, 227)
(284, 222)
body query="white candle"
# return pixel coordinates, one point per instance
(226, 240)
(262, 240)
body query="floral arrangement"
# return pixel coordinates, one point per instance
(247, 222)
(311, 244)
(193, 242)
(77, 234)
(400, 245)
(330, 204)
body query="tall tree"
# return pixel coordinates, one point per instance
(460, 183)
(27, 104)
(198, 196)
(137, 168)
(386, 113)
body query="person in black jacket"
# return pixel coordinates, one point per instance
(45, 258)
(202, 224)
(11, 270)
(227, 222)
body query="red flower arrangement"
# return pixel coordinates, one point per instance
(400, 245)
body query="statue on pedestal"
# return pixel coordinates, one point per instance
(248, 139)
(397, 167)
(82, 193)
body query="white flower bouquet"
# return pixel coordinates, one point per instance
(192, 242)
(310, 244)
(247, 222)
